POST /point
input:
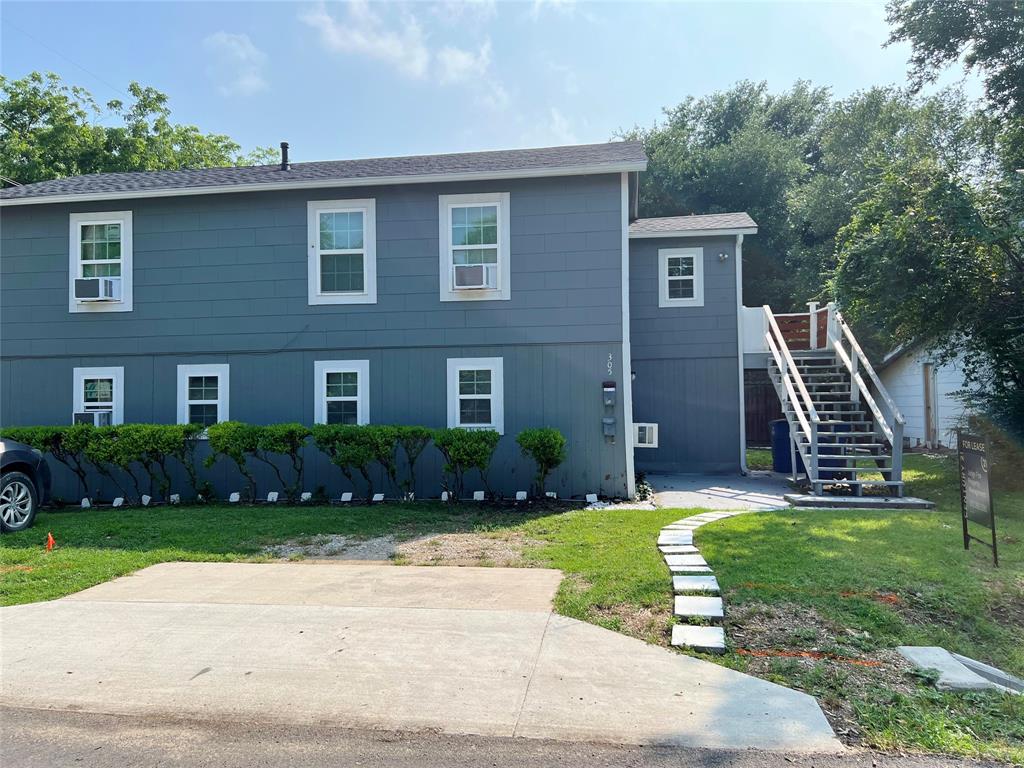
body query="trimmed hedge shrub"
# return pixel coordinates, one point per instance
(546, 446)
(463, 450)
(142, 453)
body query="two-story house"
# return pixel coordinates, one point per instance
(500, 290)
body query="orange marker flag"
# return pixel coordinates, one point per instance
(49, 542)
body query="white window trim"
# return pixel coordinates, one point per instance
(636, 434)
(320, 370)
(496, 367)
(698, 277)
(77, 220)
(117, 374)
(445, 205)
(368, 207)
(223, 373)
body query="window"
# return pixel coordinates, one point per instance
(341, 395)
(100, 264)
(476, 393)
(681, 273)
(474, 239)
(99, 396)
(645, 435)
(203, 394)
(342, 252)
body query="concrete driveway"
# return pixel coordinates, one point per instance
(456, 650)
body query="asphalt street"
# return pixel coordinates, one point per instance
(38, 738)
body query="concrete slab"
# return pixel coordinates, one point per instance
(953, 676)
(340, 585)
(675, 537)
(304, 643)
(700, 607)
(756, 491)
(695, 584)
(685, 560)
(684, 569)
(858, 502)
(701, 639)
(678, 549)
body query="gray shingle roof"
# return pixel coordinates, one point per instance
(702, 223)
(615, 156)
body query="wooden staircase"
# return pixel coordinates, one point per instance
(846, 432)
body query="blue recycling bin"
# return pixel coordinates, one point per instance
(780, 448)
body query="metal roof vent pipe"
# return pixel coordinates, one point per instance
(284, 157)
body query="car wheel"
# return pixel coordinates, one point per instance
(18, 501)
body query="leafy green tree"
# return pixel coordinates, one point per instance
(463, 450)
(743, 149)
(413, 441)
(935, 260)
(986, 35)
(52, 130)
(351, 448)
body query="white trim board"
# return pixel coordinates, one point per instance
(224, 189)
(695, 233)
(627, 352)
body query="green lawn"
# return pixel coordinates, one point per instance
(870, 581)
(873, 580)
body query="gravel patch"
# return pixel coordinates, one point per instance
(335, 547)
(475, 549)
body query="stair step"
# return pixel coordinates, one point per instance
(860, 482)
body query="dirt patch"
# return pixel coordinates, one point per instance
(799, 647)
(504, 550)
(649, 624)
(334, 547)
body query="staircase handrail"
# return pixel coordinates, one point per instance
(788, 385)
(778, 345)
(844, 358)
(863, 361)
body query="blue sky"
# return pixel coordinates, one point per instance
(362, 79)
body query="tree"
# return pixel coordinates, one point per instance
(935, 260)
(52, 130)
(987, 35)
(738, 150)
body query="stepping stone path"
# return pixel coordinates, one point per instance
(698, 599)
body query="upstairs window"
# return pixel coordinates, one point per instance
(341, 392)
(474, 240)
(342, 252)
(99, 396)
(681, 281)
(100, 265)
(476, 393)
(203, 394)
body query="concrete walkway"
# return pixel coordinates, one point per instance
(458, 650)
(756, 491)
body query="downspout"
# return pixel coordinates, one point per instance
(627, 362)
(739, 349)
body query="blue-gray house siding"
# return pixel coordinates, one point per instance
(685, 361)
(222, 278)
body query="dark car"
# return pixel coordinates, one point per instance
(24, 485)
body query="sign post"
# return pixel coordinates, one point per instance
(975, 490)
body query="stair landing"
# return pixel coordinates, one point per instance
(858, 502)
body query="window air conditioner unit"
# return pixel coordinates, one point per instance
(474, 276)
(98, 288)
(96, 418)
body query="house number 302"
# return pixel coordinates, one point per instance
(611, 364)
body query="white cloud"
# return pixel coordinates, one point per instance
(236, 63)
(456, 65)
(559, 128)
(462, 11)
(570, 82)
(566, 7)
(364, 32)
